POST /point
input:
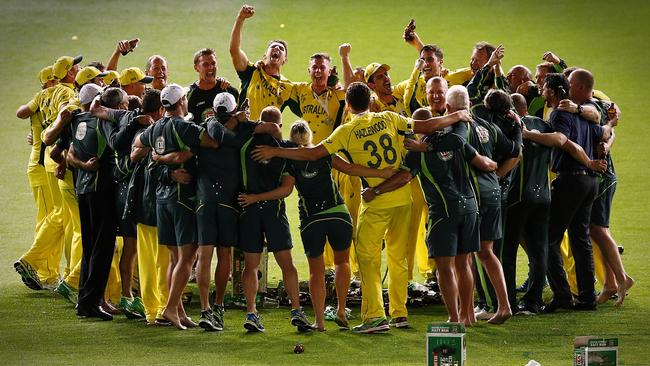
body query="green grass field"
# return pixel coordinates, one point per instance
(607, 38)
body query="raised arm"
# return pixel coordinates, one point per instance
(357, 170)
(123, 47)
(348, 75)
(411, 37)
(283, 190)
(239, 58)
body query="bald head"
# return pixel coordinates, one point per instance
(519, 102)
(581, 85)
(457, 98)
(518, 75)
(436, 90)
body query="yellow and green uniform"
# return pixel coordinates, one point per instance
(36, 172)
(460, 76)
(47, 248)
(371, 139)
(262, 89)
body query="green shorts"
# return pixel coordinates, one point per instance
(217, 224)
(176, 223)
(333, 226)
(264, 220)
(450, 236)
(490, 222)
(602, 207)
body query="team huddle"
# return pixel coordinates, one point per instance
(176, 174)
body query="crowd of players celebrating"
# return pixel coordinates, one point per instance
(179, 173)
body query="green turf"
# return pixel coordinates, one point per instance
(608, 38)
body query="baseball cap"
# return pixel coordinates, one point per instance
(111, 76)
(63, 64)
(88, 92)
(46, 74)
(171, 94)
(372, 68)
(134, 75)
(225, 100)
(87, 74)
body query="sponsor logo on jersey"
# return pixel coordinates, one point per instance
(159, 146)
(445, 155)
(81, 131)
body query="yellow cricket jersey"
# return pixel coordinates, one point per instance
(263, 90)
(414, 89)
(372, 139)
(600, 95)
(377, 105)
(35, 165)
(50, 103)
(459, 76)
(323, 112)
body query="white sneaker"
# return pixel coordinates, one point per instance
(483, 315)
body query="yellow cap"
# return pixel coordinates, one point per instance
(111, 75)
(64, 64)
(134, 75)
(87, 74)
(372, 68)
(46, 74)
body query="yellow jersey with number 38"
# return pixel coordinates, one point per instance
(373, 140)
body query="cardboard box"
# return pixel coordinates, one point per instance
(446, 345)
(595, 351)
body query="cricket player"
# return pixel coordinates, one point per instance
(262, 83)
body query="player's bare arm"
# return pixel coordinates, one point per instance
(357, 170)
(269, 128)
(587, 111)
(24, 112)
(411, 37)
(172, 158)
(484, 163)
(52, 133)
(121, 49)
(298, 153)
(283, 190)
(433, 124)
(348, 74)
(239, 58)
(507, 165)
(71, 158)
(396, 181)
(560, 141)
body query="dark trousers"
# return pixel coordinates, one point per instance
(571, 199)
(98, 229)
(528, 222)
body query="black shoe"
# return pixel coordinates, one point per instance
(526, 308)
(554, 305)
(620, 249)
(95, 311)
(523, 287)
(584, 306)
